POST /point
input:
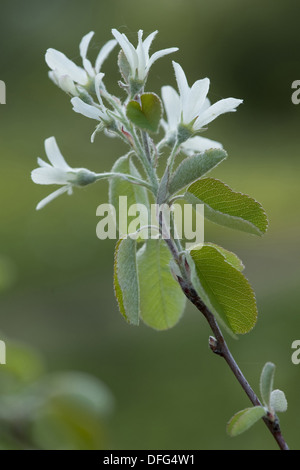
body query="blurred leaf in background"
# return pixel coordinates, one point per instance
(61, 410)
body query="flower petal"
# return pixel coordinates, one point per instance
(67, 85)
(159, 54)
(54, 155)
(141, 56)
(49, 175)
(104, 53)
(83, 48)
(223, 106)
(98, 80)
(128, 49)
(147, 43)
(84, 44)
(172, 106)
(85, 109)
(182, 83)
(63, 66)
(51, 196)
(195, 101)
(199, 144)
(42, 163)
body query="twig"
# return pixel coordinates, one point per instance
(218, 346)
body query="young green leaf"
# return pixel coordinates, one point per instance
(119, 187)
(126, 284)
(266, 382)
(226, 207)
(192, 168)
(146, 115)
(244, 419)
(224, 289)
(229, 256)
(161, 299)
(124, 66)
(278, 401)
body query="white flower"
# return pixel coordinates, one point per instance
(172, 105)
(138, 59)
(191, 107)
(68, 75)
(94, 111)
(59, 172)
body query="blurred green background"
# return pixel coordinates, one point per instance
(170, 391)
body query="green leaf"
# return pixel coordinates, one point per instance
(266, 382)
(162, 193)
(278, 401)
(126, 282)
(146, 115)
(192, 168)
(161, 299)
(119, 187)
(224, 289)
(124, 66)
(226, 207)
(244, 419)
(229, 256)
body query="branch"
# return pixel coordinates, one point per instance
(218, 346)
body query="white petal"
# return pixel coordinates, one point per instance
(51, 196)
(88, 67)
(128, 49)
(54, 155)
(195, 101)
(63, 66)
(159, 54)
(104, 53)
(53, 77)
(49, 175)
(205, 105)
(85, 109)
(172, 106)
(84, 44)
(141, 56)
(67, 85)
(98, 80)
(83, 47)
(42, 163)
(199, 144)
(148, 42)
(223, 106)
(182, 83)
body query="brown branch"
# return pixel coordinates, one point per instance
(218, 346)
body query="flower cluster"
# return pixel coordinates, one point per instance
(187, 111)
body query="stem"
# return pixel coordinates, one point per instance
(146, 145)
(144, 159)
(172, 156)
(130, 178)
(218, 344)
